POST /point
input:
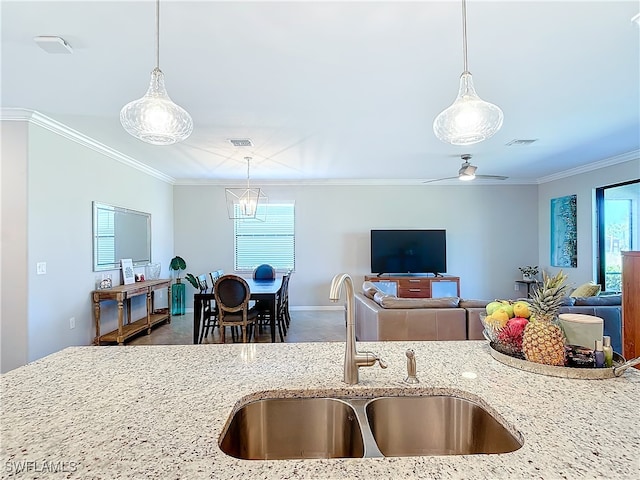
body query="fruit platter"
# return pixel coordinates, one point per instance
(526, 335)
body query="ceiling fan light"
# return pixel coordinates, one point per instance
(154, 118)
(469, 119)
(467, 172)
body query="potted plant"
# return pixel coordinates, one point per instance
(178, 291)
(529, 272)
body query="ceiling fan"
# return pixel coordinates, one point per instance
(468, 172)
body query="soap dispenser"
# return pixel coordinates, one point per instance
(598, 354)
(608, 351)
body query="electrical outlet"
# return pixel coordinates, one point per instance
(41, 268)
(516, 287)
(72, 323)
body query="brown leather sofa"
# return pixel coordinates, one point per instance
(409, 319)
(382, 317)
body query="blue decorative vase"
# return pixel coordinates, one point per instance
(177, 298)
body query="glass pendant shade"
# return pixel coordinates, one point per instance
(154, 118)
(469, 119)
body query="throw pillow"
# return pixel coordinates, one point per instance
(599, 301)
(586, 290)
(369, 289)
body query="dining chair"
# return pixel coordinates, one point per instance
(283, 308)
(264, 272)
(214, 276)
(232, 299)
(210, 311)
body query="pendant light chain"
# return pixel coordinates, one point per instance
(248, 159)
(158, 34)
(464, 35)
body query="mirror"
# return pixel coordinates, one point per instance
(120, 233)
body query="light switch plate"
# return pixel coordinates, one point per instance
(41, 268)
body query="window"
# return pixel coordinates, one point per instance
(617, 207)
(271, 241)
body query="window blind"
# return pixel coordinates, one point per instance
(271, 241)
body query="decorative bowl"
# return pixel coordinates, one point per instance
(500, 340)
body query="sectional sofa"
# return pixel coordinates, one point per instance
(380, 316)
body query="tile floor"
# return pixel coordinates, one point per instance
(306, 326)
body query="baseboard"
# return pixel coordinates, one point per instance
(316, 307)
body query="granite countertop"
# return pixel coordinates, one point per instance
(158, 412)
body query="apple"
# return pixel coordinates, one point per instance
(507, 307)
(493, 306)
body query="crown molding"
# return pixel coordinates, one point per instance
(607, 162)
(36, 118)
(352, 182)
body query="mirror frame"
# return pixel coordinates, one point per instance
(141, 220)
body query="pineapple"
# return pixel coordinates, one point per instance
(543, 340)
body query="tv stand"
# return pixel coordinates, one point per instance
(421, 285)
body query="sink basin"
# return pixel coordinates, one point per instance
(293, 428)
(436, 425)
(399, 426)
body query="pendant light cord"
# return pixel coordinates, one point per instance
(464, 35)
(158, 34)
(248, 159)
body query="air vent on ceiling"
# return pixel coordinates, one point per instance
(53, 44)
(241, 142)
(521, 142)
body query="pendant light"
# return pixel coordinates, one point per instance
(469, 119)
(154, 118)
(246, 203)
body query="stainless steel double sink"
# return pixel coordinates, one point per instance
(398, 426)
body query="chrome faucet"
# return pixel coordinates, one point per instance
(353, 359)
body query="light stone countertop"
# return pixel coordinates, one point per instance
(157, 412)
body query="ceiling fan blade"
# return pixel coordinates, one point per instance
(492, 177)
(439, 179)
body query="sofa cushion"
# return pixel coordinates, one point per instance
(473, 303)
(389, 301)
(598, 301)
(589, 289)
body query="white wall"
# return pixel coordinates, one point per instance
(63, 178)
(13, 280)
(584, 186)
(491, 230)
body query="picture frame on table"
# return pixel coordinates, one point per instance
(128, 275)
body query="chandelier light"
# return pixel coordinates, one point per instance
(246, 203)
(154, 118)
(469, 119)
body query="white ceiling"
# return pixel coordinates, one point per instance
(337, 91)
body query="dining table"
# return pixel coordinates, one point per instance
(265, 290)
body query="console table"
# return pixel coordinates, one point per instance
(421, 286)
(123, 295)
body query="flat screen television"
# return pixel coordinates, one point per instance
(408, 251)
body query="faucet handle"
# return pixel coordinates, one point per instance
(382, 362)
